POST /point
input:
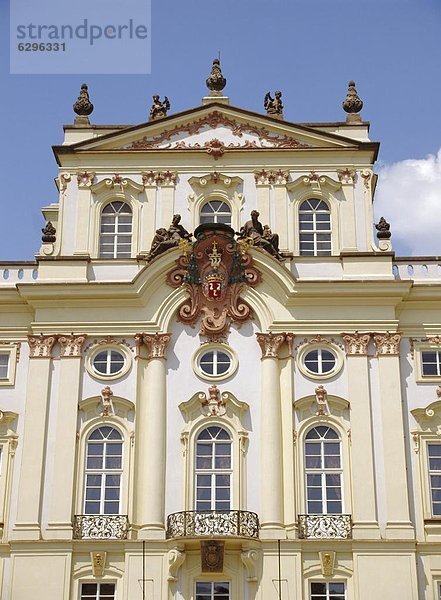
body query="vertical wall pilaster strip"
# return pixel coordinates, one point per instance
(27, 526)
(60, 516)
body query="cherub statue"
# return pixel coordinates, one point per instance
(159, 109)
(273, 106)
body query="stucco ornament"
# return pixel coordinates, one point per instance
(356, 343)
(106, 402)
(71, 345)
(214, 404)
(321, 397)
(212, 556)
(41, 346)
(214, 272)
(387, 343)
(270, 343)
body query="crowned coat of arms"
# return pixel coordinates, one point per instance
(214, 270)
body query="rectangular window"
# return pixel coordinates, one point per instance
(327, 590)
(431, 363)
(212, 590)
(4, 365)
(97, 591)
(434, 457)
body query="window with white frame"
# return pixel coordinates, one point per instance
(214, 362)
(323, 471)
(116, 231)
(327, 590)
(103, 473)
(108, 362)
(97, 591)
(213, 470)
(320, 361)
(212, 590)
(431, 363)
(315, 228)
(4, 365)
(215, 211)
(434, 458)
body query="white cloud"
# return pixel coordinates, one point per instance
(409, 197)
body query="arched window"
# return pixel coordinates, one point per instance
(102, 490)
(215, 211)
(323, 471)
(116, 231)
(315, 228)
(213, 470)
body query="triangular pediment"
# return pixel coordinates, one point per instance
(216, 128)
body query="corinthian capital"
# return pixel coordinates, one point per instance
(387, 343)
(270, 343)
(71, 345)
(156, 343)
(40, 346)
(356, 343)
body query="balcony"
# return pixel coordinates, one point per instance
(101, 527)
(233, 523)
(325, 527)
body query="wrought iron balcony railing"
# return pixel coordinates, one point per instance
(232, 523)
(101, 527)
(322, 527)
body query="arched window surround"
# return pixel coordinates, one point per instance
(116, 230)
(297, 196)
(123, 422)
(102, 194)
(223, 188)
(315, 207)
(341, 425)
(234, 422)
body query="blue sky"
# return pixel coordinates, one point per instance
(307, 48)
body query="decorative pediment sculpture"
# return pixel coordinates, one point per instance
(214, 271)
(274, 106)
(261, 236)
(165, 239)
(213, 404)
(321, 397)
(159, 109)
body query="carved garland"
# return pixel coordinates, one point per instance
(213, 120)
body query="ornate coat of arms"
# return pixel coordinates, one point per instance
(214, 270)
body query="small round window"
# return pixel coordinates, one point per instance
(214, 362)
(108, 362)
(320, 361)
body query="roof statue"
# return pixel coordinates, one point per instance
(216, 81)
(261, 237)
(159, 109)
(165, 239)
(352, 104)
(274, 106)
(83, 107)
(48, 232)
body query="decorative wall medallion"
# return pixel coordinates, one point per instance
(327, 559)
(212, 556)
(215, 147)
(214, 403)
(214, 272)
(117, 181)
(98, 560)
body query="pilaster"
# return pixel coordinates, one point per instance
(271, 514)
(167, 182)
(60, 517)
(148, 215)
(280, 179)
(347, 179)
(262, 179)
(84, 195)
(151, 425)
(27, 526)
(364, 508)
(398, 524)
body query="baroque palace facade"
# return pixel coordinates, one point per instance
(250, 411)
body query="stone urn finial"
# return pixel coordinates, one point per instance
(352, 104)
(83, 107)
(383, 229)
(216, 81)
